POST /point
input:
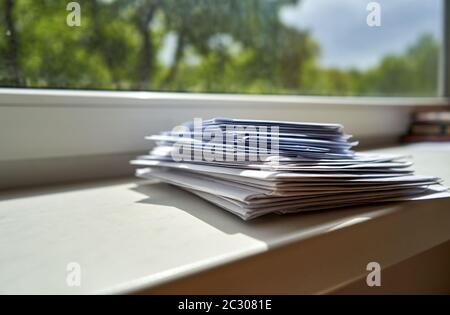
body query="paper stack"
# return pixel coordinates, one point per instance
(256, 167)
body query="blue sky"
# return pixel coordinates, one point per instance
(340, 27)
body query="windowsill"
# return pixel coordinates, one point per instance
(129, 237)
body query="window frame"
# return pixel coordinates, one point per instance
(444, 78)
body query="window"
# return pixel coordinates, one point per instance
(320, 47)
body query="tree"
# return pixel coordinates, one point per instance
(11, 50)
(225, 46)
(413, 73)
(144, 15)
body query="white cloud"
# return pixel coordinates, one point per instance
(346, 40)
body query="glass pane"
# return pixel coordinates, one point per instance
(309, 47)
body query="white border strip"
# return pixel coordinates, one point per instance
(80, 98)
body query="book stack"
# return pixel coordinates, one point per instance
(256, 167)
(429, 125)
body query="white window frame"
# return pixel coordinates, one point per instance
(58, 135)
(65, 123)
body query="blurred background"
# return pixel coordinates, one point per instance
(320, 47)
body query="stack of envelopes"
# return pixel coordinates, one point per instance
(255, 167)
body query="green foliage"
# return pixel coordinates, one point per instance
(413, 73)
(226, 46)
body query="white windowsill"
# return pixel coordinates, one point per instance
(130, 237)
